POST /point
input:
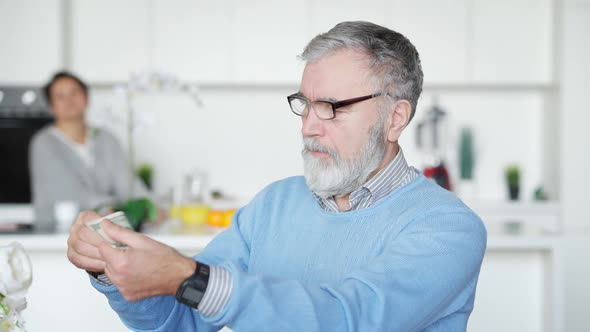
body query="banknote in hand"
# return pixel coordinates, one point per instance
(116, 218)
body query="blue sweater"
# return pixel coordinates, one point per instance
(408, 263)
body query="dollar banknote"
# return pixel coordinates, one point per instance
(116, 218)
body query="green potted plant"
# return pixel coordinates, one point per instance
(145, 172)
(512, 173)
(138, 211)
(466, 186)
(466, 154)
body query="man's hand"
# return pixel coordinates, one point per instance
(146, 267)
(83, 244)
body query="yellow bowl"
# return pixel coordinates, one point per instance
(194, 214)
(175, 212)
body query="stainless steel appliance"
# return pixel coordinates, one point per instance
(431, 141)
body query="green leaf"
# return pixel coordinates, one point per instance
(138, 211)
(4, 308)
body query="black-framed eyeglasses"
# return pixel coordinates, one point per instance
(325, 110)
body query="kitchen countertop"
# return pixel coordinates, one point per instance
(194, 238)
(171, 233)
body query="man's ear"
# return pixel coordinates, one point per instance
(399, 119)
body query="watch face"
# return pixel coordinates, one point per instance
(193, 288)
(192, 295)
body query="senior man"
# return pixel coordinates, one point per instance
(362, 242)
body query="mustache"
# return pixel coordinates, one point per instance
(310, 144)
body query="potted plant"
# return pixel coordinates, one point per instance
(145, 172)
(513, 181)
(466, 188)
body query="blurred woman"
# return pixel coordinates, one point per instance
(72, 163)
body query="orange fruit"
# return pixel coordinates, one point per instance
(216, 218)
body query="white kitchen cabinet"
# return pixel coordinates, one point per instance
(519, 287)
(512, 41)
(256, 42)
(575, 115)
(325, 14)
(267, 39)
(439, 30)
(31, 43)
(110, 38)
(61, 297)
(436, 28)
(194, 39)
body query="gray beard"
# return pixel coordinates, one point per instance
(336, 176)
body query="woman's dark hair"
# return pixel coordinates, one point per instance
(59, 75)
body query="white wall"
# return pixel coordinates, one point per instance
(575, 160)
(247, 137)
(478, 73)
(244, 139)
(31, 46)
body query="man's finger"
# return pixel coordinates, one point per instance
(84, 262)
(107, 251)
(122, 234)
(86, 216)
(112, 255)
(89, 236)
(86, 249)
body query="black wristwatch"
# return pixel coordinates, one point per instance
(193, 288)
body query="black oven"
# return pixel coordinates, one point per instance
(23, 111)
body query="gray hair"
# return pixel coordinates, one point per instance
(393, 59)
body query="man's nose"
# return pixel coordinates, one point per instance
(312, 125)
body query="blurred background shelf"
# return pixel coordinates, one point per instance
(531, 217)
(516, 208)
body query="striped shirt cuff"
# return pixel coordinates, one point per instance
(217, 293)
(101, 278)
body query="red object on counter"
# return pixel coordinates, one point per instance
(440, 175)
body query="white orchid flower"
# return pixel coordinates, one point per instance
(16, 273)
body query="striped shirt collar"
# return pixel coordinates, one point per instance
(396, 174)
